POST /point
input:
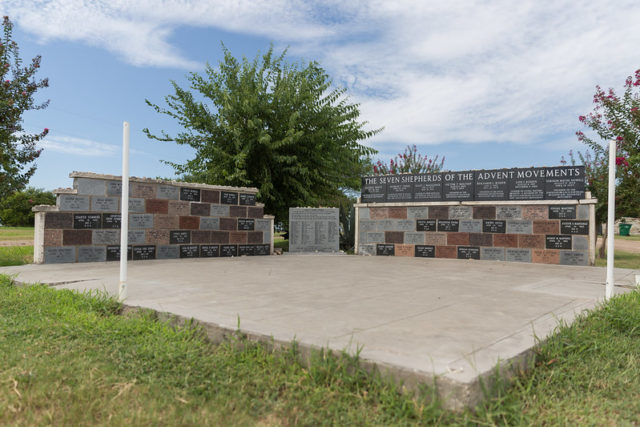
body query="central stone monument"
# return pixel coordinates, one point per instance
(314, 230)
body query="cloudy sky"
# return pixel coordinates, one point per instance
(487, 84)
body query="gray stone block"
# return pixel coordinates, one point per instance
(470, 226)
(414, 238)
(136, 237)
(210, 223)
(385, 225)
(363, 213)
(375, 237)
(460, 212)
(167, 252)
(260, 225)
(266, 237)
(92, 253)
(519, 226)
(404, 225)
(69, 202)
(141, 221)
(517, 255)
(136, 205)
(508, 212)
(59, 254)
(168, 192)
(367, 225)
(105, 237)
(114, 188)
(416, 212)
(493, 254)
(582, 212)
(580, 243)
(89, 186)
(219, 210)
(105, 204)
(366, 249)
(574, 258)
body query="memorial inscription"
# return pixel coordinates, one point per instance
(209, 251)
(189, 251)
(425, 225)
(111, 220)
(574, 227)
(190, 194)
(246, 224)
(468, 252)
(247, 199)
(177, 237)
(385, 249)
(228, 250)
(494, 226)
(113, 253)
(558, 242)
(448, 224)
(228, 198)
(83, 221)
(425, 251)
(144, 252)
(562, 212)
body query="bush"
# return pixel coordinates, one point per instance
(15, 210)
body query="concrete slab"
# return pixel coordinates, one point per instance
(447, 322)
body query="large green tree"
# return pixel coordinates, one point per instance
(18, 85)
(280, 127)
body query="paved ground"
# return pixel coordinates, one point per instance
(414, 317)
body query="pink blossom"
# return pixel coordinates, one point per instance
(582, 118)
(621, 161)
(619, 138)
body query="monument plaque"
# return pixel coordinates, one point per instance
(314, 229)
(519, 226)
(246, 250)
(399, 189)
(177, 237)
(111, 220)
(448, 224)
(558, 242)
(574, 258)
(492, 184)
(458, 186)
(427, 187)
(425, 251)
(562, 212)
(228, 250)
(518, 255)
(468, 252)
(59, 255)
(494, 226)
(246, 224)
(189, 251)
(425, 225)
(190, 194)
(209, 251)
(209, 223)
(141, 221)
(262, 249)
(228, 198)
(168, 192)
(508, 212)
(564, 182)
(104, 204)
(385, 249)
(492, 254)
(527, 184)
(113, 253)
(68, 202)
(92, 254)
(574, 227)
(144, 252)
(83, 221)
(470, 226)
(247, 199)
(167, 252)
(373, 190)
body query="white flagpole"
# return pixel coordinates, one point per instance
(124, 213)
(610, 219)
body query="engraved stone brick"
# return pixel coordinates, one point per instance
(531, 241)
(135, 205)
(393, 237)
(535, 212)
(404, 250)
(517, 255)
(189, 222)
(219, 237)
(157, 206)
(105, 237)
(246, 224)
(200, 209)
(460, 212)
(166, 221)
(53, 237)
(113, 253)
(470, 225)
(228, 250)
(238, 211)
(379, 213)
(439, 212)
(480, 239)
(484, 212)
(492, 254)
(448, 225)
(363, 213)
(114, 188)
(144, 252)
(209, 223)
(366, 225)
(59, 255)
(143, 190)
(220, 210)
(425, 251)
(468, 252)
(229, 224)
(266, 237)
(574, 257)
(58, 220)
(404, 225)
(562, 212)
(265, 225)
(493, 225)
(426, 224)
(209, 251)
(519, 226)
(111, 221)
(417, 212)
(454, 239)
(104, 204)
(228, 198)
(210, 196)
(546, 226)
(177, 237)
(385, 249)
(254, 237)
(582, 212)
(554, 241)
(398, 212)
(505, 240)
(167, 252)
(157, 237)
(84, 221)
(69, 202)
(508, 212)
(178, 207)
(247, 199)
(377, 237)
(190, 194)
(580, 243)
(236, 237)
(170, 192)
(367, 249)
(90, 186)
(435, 239)
(136, 237)
(544, 256)
(92, 253)
(246, 250)
(446, 252)
(189, 251)
(414, 238)
(76, 237)
(574, 227)
(255, 212)
(141, 221)
(201, 236)
(385, 224)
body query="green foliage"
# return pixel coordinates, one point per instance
(279, 127)
(17, 88)
(15, 210)
(409, 162)
(16, 255)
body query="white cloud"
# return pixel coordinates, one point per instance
(80, 146)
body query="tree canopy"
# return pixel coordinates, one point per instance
(280, 127)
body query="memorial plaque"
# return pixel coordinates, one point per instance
(403, 225)
(574, 258)
(111, 220)
(246, 224)
(564, 183)
(314, 229)
(68, 202)
(104, 204)
(59, 255)
(247, 199)
(492, 254)
(209, 251)
(377, 237)
(517, 255)
(190, 194)
(574, 227)
(177, 237)
(229, 198)
(470, 226)
(246, 250)
(385, 249)
(518, 226)
(399, 189)
(494, 226)
(136, 205)
(427, 187)
(425, 225)
(92, 254)
(168, 192)
(562, 212)
(136, 237)
(144, 252)
(508, 212)
(105, 237)
(558, 242)
(83, 221)
(385, 225)
(580, 243)
(460, 212)
(468, 252)
(425, 251)
(167, 252)
(114, 188)
(94, 187)
(583, 212)
(228, 250)
(141, 221)
(265, 225)
(364, 225)
(411, 238)
(220, 210)
(492, 184)
(448, 224)
(413, 212)
(458, 186)
(209, 223)
(373, 189)
(527, 184)
(189, 251)
(113, 253)
(262, 249)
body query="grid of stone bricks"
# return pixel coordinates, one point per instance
(551, 234)
(165, 221)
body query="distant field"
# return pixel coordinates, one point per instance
(622, 260)
(16, 233)
(634, 237)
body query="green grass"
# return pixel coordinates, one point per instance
(634, 237)
(621, 259)
(16, 233)
(69, 358)
(15, 255)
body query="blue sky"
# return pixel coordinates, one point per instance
(487, 84)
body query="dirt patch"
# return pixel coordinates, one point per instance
(632, 246)
(16, 242)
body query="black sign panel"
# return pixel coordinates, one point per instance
(468, 252)
(111, 220)
(399, 189)
(458, 185)
(245, 224)
(247, 199)
(144, 252)
(177, 237)
(263, 249)
(562, 212)
(448, 224)
(494, 226)
(246, 250)
(190, 194)
(425, 225)
(527, 184)
(86, 220)
(373, 190)
(425, 251)
(492, 184)
(189, 251)
(564, 182)
(208, 251)
(113, 253)
(228, 198)
(427, 187)
(228, 250)
(385, 249)
(558, 242)
(574, 227)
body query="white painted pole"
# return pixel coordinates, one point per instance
(611, 214)
(124, 213)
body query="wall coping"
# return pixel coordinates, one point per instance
(480, 203)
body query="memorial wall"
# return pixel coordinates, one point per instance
(167, 220)
(314, 229)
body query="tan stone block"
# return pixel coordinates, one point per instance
(52, 237)
(379, 213)
(435, 239)
(531, 241)
(535, 212)
(404, 250)
(179, 207)
(166, 221)
(546, 226)
(157, 237)
(398, 213)
(143, 190)
(238, 237)
(545, 256)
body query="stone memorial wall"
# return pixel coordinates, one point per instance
(314, 229)
(167, 219)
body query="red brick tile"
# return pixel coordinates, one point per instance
(393, 237)
(255, 212)
(439, 212)
(201, 236)
(379, 213)
(236, 237)
(228, 224)
(398, 213)
(76, 237)
(210, 196)
(545, 256)
(546, 226)
(535, 212)
(505, 240)
(480, 239)
(219, 237)
(200, 209)
(531, 241)
(446, 252)
(254, 237)
(156, 206)
(189, 222)
(457, 239)
(58, 220)
(157, 237)
(404, 250)
(53, 237)
(238, 211)
(484, 212)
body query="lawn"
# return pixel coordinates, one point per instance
(15, 255)
(16, 233)
(634, 237)
(622, 259)
(70, 358)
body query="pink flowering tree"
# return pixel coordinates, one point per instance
(18, 85)
(408, 162)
